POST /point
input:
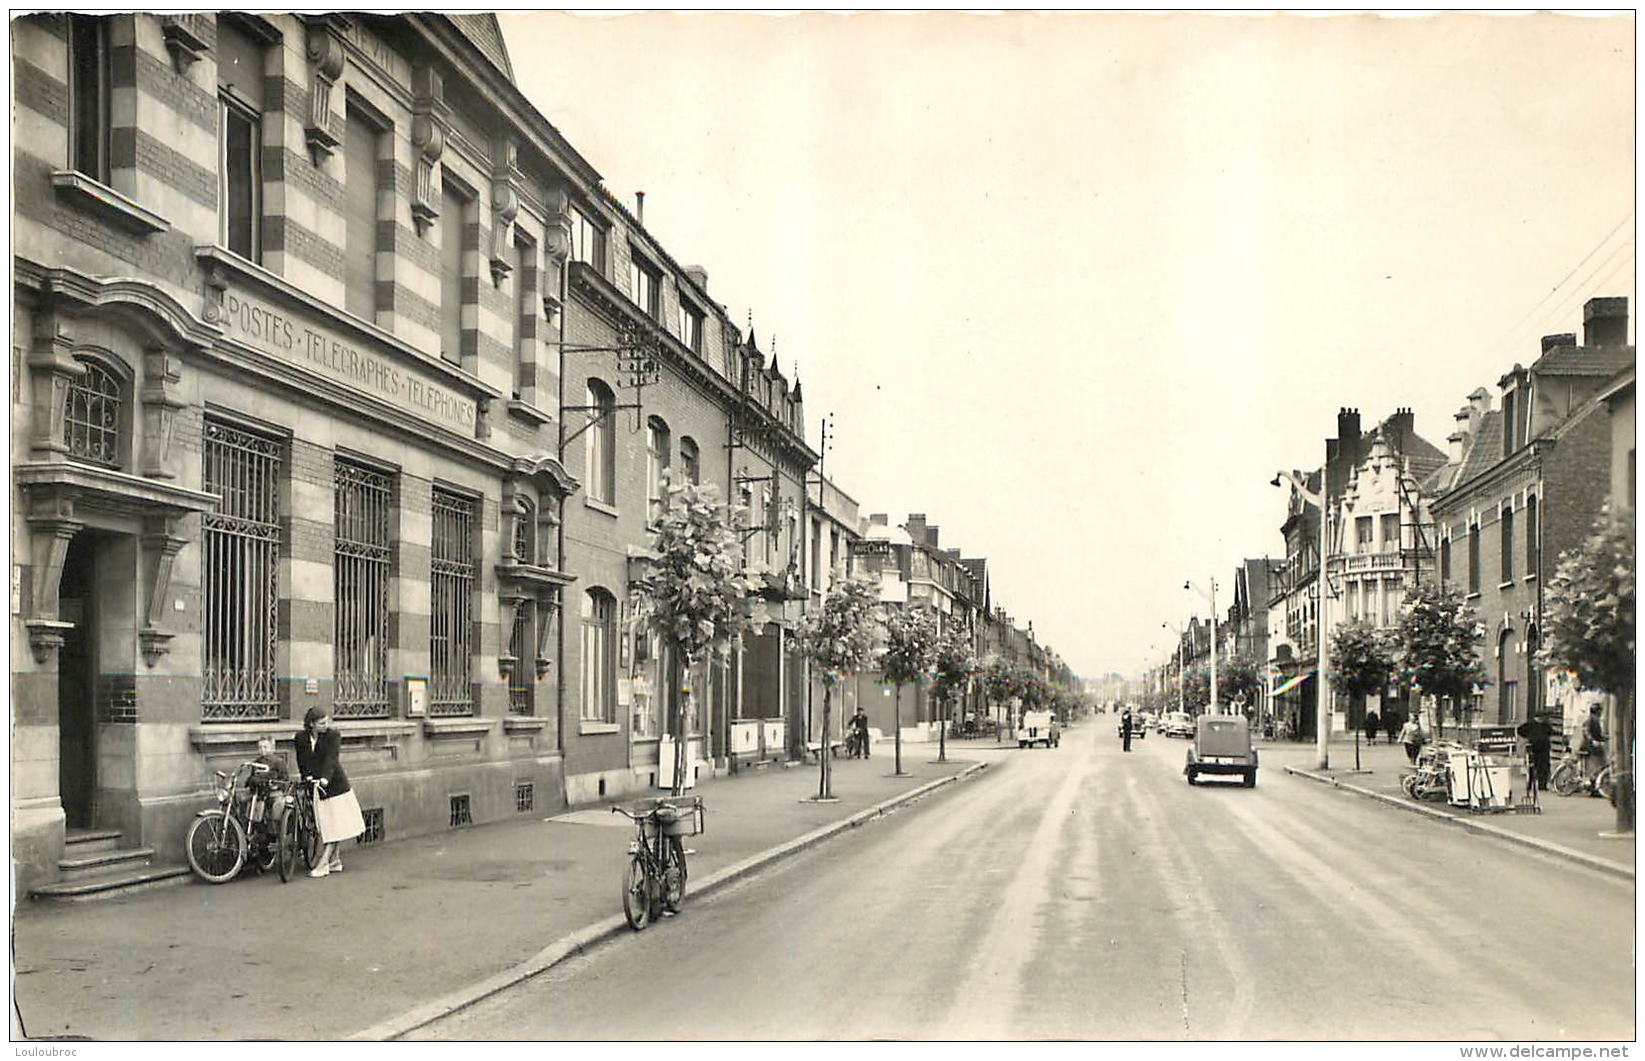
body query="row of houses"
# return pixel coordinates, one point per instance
(339, 380)
(1524, 474)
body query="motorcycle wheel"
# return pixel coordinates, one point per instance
(216, 848)
(636, 894)
(674, 876)
(286, 844)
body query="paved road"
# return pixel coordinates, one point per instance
(1085, 893)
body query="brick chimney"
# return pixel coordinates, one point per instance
(1552, 342)
(1605, 322)
(1402, 429)
(916, 527)
(699, 276)
(878, 519)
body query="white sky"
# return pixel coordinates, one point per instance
(1075, 286)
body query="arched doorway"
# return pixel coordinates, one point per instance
(77, 670)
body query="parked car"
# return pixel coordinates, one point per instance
(1178, 724)
(1139, 727)
(1222, 745)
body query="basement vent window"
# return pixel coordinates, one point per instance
(374, 826)
(459, 811)
(524, 796)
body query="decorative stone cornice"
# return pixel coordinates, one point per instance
(326, 58)
(505, 202)
(430, 116)
(185, 37)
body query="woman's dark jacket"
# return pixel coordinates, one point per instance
(323, 761)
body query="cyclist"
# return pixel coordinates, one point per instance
(1591, 747)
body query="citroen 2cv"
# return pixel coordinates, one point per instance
(1222, 745)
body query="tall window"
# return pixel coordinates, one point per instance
(599, 635)
(239, 140)
(1390, 532)
(1362, 534)
(91, 417)
(587, 240)
(600, 443)
(453, 254)
(360, 571)
(451, 605)
(1444, 561)
(1507, 543)
(89, 95)
(691, 327)
(362, 141)
(239, 574)
(1531, 532)
(656, 463)
(523, 647)
(1473, 558)
(645, 287)
(525, 532)
(525, 337)
(690, 461)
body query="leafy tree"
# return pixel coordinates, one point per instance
(1362, 657)
(1437, 639)
(1588, 629)
(1237, 678)
(952, 666)
(1001, 682)
(696, 593)
(840, 638)
(910, 648)
(1196, 690)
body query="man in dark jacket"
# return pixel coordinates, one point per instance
(1125, 729)
(1538, 734)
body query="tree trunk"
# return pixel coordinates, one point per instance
(824, 789)
(942, 730)
(1622, 761)
(896, 721)
(682, 711)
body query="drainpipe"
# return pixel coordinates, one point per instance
(559, 531)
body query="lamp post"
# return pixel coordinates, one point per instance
(1212, 598)
(1322, 679)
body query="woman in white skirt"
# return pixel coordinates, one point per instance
(337, 811)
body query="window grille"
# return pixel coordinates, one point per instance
(460, 814)
(525, 521)
(240, 562)
(361, 571)
(374, 826)
(525, 794)
(91, 419)
(523, 647)
(451, 585)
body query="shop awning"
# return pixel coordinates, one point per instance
(1291, 683)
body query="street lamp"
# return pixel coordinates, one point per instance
(1322, 721)
(1212, 598)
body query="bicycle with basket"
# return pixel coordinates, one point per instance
(654, 882)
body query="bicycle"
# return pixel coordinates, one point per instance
(655, 879)
(296, 828)
(219, 841)
(1567, 778)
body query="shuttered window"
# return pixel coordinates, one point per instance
(362, 138)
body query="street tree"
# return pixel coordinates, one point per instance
(840, 638)
(1588, 629)
(1363, 656)
(1238, 680)
(1438, 635)
(1196, 690)
(952, 666)
(695, 592)
(1002, 683)
(910, 648)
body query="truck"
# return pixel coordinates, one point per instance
(1038, 727)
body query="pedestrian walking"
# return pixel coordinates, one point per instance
(1591, 747)
(337, 810)
(1392, 722)
(859, 733)
(1411, 736)
(1125, 729)
(1372, 722)
(1538, 735)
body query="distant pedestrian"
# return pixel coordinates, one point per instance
(859, 733)
(337, 810)
(1411, 736)
(1371, 724)
(1392, 722)
(1125, 729)
(1538, 736)
(1590, 746)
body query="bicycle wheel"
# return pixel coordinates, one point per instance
(286, 843)
(262, 848)
(1567, 779)
(1606, 783)
(637, 894)
(308, 835)
(216, 847)
(674, 875)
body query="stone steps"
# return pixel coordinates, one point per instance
(95, 866)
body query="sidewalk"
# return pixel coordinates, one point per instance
(1566, 824)
(408, 922)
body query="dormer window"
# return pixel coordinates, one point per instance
(91, 420)
(645, 286)
(587, 241)
(691, 327)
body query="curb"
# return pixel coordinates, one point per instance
(591, 935)
(1604, 865)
